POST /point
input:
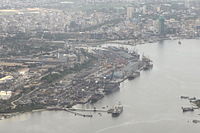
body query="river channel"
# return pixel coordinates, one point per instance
(151, 102)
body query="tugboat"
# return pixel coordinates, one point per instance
(117, 110)
(184, 97)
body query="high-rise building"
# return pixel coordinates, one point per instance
(144, 9)
(161, 26)
(130, 11)
(158, 9)
(187, 3)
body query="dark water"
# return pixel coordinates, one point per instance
(151, 102)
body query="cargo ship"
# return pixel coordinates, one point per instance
(94, 98)
(110, 88)
(133, 75)
(148, 66)
(117, 110)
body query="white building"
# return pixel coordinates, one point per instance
(130, 11)
(187, 3)
(5, 79)
(4, 95)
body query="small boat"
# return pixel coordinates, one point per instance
(188, 109)
(184, 97)
(192, 98)
(179, 42)
(196, 121)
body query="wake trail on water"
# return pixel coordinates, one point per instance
(133, 123)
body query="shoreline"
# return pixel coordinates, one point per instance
(5, 116)
(130, 42)
(10, 115)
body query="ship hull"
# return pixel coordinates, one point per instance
(115, 114)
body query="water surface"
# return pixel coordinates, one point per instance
(151, 102)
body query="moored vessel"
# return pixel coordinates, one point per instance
(117, 110)
(133, 75)
(94, 98)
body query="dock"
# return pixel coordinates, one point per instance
(73, 110)
(78, 114)
(88, 110)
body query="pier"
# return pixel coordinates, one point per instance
(72, 110)
(88, 110)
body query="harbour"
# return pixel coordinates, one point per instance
(151, 101)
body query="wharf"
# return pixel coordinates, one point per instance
(76, 109)
(72, 110)
(88, 110)
(78, 114)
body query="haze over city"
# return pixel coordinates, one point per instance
(99, 66)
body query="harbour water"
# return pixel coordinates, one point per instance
(151, 102)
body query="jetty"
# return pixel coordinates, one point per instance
(88, 110)
(68, 110)
(76, 111)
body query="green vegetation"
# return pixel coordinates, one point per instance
(51, 77)
(28, 107)
(22, 108)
